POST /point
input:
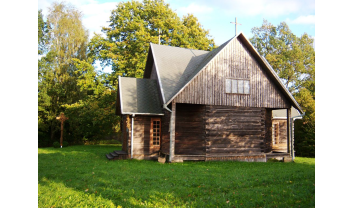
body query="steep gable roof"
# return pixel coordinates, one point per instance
(177, 67)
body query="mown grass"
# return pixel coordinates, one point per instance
(81, 176)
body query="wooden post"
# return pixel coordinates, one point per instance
(131, 138)
(172, 131)
(62, 119)
(288, 130)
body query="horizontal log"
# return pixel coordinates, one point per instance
(190, 141)
(190, 125)
(235, 132)
(234, 126)
(235, 155)
(234, 138)
(233, 150)
(209, 107)
(236, 145)
(232, 114)
(233, 120)
(190, 157)
(189, 152)
(190, 119)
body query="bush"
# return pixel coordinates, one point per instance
(56, 144)
(65, 144)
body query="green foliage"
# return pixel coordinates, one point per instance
(56, 144)
(293, 58)
(63, 181)
(135, 24)
(305, 128)
(92, 118)
(42, 33)
(68, 82)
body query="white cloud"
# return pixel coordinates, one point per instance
(267, 8)
(195, 9)
(304, 20)
(271, 8)
(95, 14)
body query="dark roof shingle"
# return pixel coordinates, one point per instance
(139, 96)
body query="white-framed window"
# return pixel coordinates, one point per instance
(239, 86)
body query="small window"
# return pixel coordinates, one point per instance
(239, 86)
(155, 133)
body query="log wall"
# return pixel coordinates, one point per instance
(141, 140)
(234, 131)
(190, 133)
(234, 61)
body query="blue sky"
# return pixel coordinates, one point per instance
(214, 16)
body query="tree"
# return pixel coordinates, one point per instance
(68, 82)
(42, 32)
(65, 40)
(133, 25)
(293, 58)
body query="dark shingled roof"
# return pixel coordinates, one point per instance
(139, 96)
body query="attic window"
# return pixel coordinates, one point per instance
(237, 86)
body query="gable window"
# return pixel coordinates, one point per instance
(237, 86)
(155, 132)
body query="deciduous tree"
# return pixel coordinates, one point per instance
(293, 58)
(134, 24)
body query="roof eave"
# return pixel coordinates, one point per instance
(146, 114)
(120, 94)
(157, 74)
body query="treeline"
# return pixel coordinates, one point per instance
(67, 79)
(69, 83)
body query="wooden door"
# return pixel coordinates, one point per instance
(155, 135)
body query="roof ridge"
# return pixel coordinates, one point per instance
(178, 47)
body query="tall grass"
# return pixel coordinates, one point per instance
(81, 176)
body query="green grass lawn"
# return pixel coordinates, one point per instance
(81, 176)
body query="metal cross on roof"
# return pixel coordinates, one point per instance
(236, 23)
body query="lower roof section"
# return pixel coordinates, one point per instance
(139, 96)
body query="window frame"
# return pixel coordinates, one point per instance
(234, 83)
